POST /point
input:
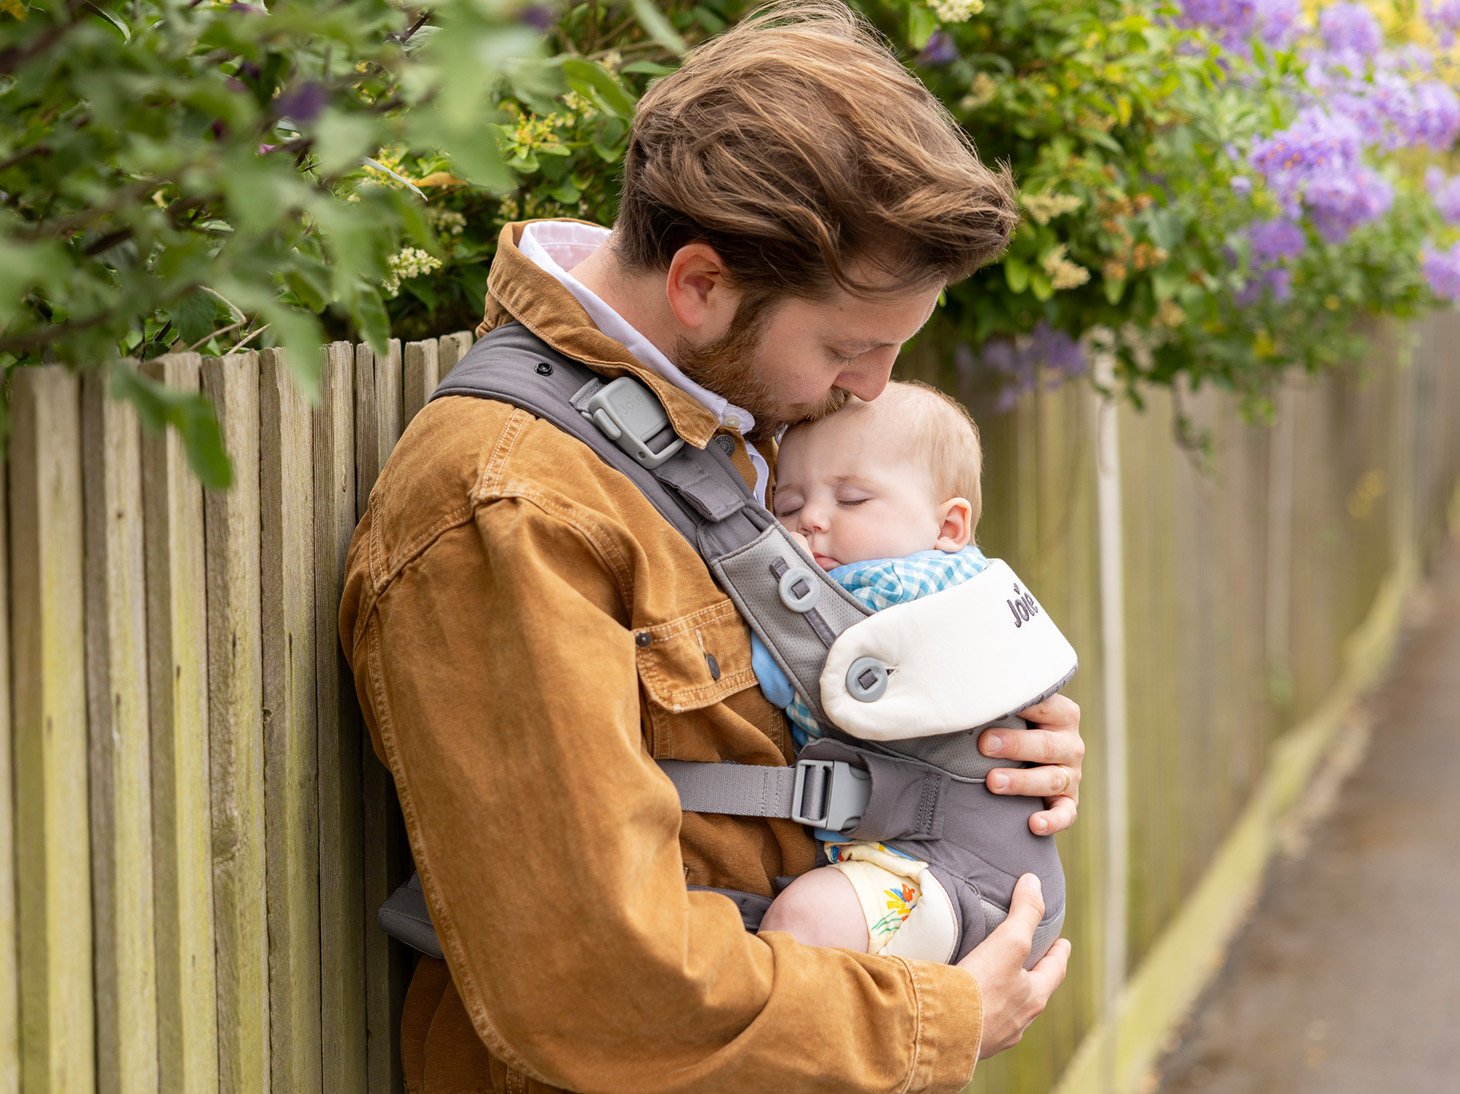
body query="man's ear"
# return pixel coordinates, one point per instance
(698, 292)
(957, 527)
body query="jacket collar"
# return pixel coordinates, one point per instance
(517, 289)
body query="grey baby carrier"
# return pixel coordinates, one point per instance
(901, 695)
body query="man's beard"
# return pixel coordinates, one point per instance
(727, 366)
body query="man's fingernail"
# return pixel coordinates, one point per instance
(995, 743)
(999, 782)
(1040, 824)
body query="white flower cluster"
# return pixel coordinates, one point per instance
(447, 221)
(955, 11)
(1043, 208)
(406, 263)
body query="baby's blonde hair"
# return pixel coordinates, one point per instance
(938, 432)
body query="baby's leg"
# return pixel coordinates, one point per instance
(820, 908)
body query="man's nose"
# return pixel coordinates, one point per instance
(868, 378)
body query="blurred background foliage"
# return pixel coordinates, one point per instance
(1212, 190)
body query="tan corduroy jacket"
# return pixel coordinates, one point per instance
(528, 637)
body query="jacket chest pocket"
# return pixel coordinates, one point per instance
(695, 660)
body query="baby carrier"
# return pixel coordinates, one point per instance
(901, 695)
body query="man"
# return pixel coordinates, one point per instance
(529, 636)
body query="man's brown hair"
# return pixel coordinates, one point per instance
(802, 150)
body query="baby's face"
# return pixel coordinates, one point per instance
(853, 494)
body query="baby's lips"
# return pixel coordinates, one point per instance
(825, 562)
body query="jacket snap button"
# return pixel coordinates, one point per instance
(714, 666)
(544, 369)
(643, 638)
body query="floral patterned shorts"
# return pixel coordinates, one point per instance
(886, 882)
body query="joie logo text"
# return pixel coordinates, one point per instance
(1024, 607)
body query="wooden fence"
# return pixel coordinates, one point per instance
(201, 834)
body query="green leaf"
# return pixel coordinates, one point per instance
(598, 85)
(1016, 274)
(1040, 285)
(647, 68)
(189, 412)
(921, 24)
(341, 140)
(374, 322)
(194, 316)
(115, 21)
(1114, 289)
(657, 26)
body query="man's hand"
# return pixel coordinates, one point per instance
(1054, 743)
(1012, 995)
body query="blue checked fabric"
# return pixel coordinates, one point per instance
(881, 583)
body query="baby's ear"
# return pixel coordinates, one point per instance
(957, 527)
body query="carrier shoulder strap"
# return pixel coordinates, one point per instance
(778, 589)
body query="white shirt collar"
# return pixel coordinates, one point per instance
(555, 247)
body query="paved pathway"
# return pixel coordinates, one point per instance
(1347, 981)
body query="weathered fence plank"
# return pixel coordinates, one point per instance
(451, 349)
(9, 971)
(420, 375)
(121, 751)
(290, 747)
(177, 636)
(235, 733)
(342, 922)
(387, 967)
(52, 851)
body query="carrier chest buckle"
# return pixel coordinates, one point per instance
(631, 415)
(829, 794)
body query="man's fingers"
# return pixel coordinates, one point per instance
(1035, 745)
(1049, 781)
(1050, 972)
(1057, 818)
(1026, 909)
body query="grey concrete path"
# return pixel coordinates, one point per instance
(1347, 978)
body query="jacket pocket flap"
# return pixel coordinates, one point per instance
(695, 660)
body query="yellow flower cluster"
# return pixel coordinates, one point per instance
(981, 94)
(1063, 274)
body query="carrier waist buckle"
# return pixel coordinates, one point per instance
(830, 794)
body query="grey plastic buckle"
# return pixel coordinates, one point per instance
(843, 793)
(866, 679)
(631, 415)
(799, 589)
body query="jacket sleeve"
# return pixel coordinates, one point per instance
(496, 668)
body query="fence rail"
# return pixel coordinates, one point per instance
(200, 832)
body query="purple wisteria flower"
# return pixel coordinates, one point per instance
(1277, 22)
(1316, 144)
(1350, 28)
(1276, 240)
(1442, 271)
(1276, 282)
(1444, 17)
(1445, 191)
(940, 50)
(1337, 204)
(1437, 120)
(1021, 363)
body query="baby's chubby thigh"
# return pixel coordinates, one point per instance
(857, 903)
(820, 908)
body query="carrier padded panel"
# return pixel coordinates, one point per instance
(959, 658)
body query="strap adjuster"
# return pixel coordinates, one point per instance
(829, 794)
(631, 415)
